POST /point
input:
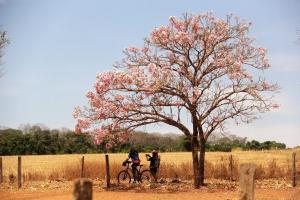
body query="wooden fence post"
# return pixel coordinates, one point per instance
(246, 187)
(1, 171)
(19, 173)
(83, 189)
(107, 171)
(82, 167)
(294, 169)
(230, 168)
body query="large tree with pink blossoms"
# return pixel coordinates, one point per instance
(198, 67)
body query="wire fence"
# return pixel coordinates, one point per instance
(269, 164)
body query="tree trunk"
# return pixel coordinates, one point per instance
(195, 147)
(201, 162)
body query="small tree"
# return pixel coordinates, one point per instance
(199, 66)
(3, 43)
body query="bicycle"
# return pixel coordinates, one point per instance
(124, 176)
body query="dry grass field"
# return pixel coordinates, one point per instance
(270, 164)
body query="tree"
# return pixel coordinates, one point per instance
(198, 66)
(3, 43)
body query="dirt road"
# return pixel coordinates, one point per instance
(261, 194)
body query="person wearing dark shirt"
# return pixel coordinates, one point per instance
(135, 160)
(154, 163)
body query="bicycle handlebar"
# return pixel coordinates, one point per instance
(126, 163)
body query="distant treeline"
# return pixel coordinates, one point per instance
(37, 140)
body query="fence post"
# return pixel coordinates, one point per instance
(1, 171)
(107, 171)
(246, 187)
(83, 189)
(294, 169)
(230, 168)
(82, 167)
(19, 173)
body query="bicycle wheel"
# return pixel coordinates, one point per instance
(146, 176)
(124, 177)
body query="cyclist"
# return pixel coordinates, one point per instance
(154, 163)
(135, 160)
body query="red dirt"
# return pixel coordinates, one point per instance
(215, 189)
(261, 194)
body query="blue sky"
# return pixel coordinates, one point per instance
(58, 46)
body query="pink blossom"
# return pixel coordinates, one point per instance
(216, 118)
(90, 95)
(96, 102)
(145, 50)
(76, 111)
(97, 141)
(77, 129)
(266, 63)
(266, 85)
(275, 105)
(262, 51)
(119, 97)
(178, 24)
(178, 103)
(129, 106)
(109, 145)
(252, 91)
(83, 124)
(182, 38)
(140, 97)
(197, 92)
(133, 49)
(193, 99)
(151, 67)
(161, 35)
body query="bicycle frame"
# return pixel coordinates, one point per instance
(138, 175)
(138, 170)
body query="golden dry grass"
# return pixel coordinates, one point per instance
(270, 164)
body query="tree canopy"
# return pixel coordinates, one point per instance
(199, 66)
